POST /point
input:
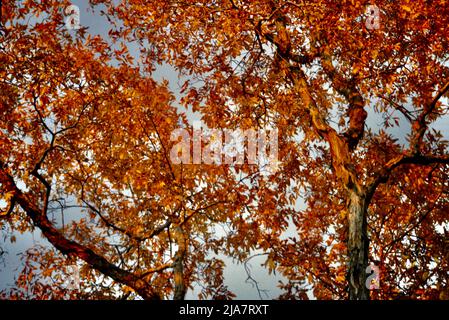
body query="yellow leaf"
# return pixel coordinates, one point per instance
(406, 8)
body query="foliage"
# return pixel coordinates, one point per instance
(84, 121)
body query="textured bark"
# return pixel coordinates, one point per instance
(358, 243)
(358, 246)
(178, 264)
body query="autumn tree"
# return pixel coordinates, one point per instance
(318, 71)
(83, 122)
(85, 134)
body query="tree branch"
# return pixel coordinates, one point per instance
(138, 237)
(442, 92)
(348, 89)
(73, 248)
(340, 146)
(383, 175)
(419, 126)
(407, 114)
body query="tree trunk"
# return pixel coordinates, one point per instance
(178, 265)
(358, 246)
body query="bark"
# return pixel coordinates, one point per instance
(178, 264)
(358, 246)
(341, 147)
(357, 200)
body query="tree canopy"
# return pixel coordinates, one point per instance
(85, 126)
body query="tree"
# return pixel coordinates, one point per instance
(86, 135)
(94, 127)
(316, 70)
